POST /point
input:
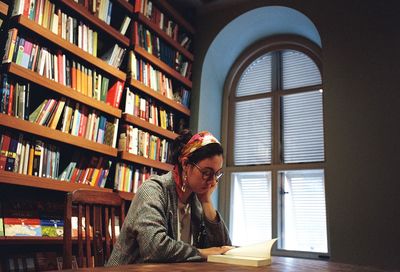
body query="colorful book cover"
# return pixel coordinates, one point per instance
(52, 227)
(22, 227)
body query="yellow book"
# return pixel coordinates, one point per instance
(89, 83)
(30, 162)
(78, 78)
(45, 13)
(95, 43)
(252, 255)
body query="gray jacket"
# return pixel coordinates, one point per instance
(149, 232)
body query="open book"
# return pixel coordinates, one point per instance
(252, 255)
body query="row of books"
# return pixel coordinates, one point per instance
(114, 56)
(56, 66)
(129, 177)
(144, 72)
(14, 98)
(159, 18)
(33, 227)
(48, 16)
(142, 143)
(146, 109)
(155, 46)
(77, 120)
(93, 171)
(100, 8)
(182, 96)
(28, 156)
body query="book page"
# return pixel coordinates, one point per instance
(259, 250)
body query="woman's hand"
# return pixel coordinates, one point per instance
(204, 252)
(206, 196)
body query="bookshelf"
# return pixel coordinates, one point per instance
(141, 82)
(43, 85)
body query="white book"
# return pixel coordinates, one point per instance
(124, 25)
(129, 101)
(54, 27)
(26, 157)
(253, 255)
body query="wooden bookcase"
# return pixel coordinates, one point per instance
(110, 34)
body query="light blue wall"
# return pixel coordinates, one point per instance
(229, 43)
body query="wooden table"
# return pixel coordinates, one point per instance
(279, 264)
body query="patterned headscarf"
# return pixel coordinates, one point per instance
(198, 140)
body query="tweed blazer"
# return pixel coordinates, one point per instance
(149, 232)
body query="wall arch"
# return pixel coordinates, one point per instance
(229, 43)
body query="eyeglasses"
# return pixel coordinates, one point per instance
(208, 174)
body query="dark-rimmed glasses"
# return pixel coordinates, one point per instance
(208, 174)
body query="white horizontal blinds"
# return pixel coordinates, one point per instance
(256, 79)
(304, 215)
(303, 131)
(298, 70)
(251, 207)
(252, 136)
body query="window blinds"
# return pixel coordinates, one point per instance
(298, 70)
(303, 137)
(256, 78)
(252, 136)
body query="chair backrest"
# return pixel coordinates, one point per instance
(96, 213)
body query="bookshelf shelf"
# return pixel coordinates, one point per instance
(27, 74)
(50, 36)
(124, 155)
(146, 125)
(97, 22)
(126, 5)
(26, 126)
(164, 36)
(177, 106)
(163, 66)
(19, 240)
(3, 8)
(42, 183)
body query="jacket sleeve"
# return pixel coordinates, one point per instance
(150, 227)
(216, 232)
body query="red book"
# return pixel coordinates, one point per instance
(10, 100)
(6, 139)
(83, 121)
(60, 67)
(137, 7)
(114, 94)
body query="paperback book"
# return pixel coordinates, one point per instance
(253, 255)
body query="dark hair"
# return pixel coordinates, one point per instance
(202, 153)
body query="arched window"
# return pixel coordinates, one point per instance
(275, 146)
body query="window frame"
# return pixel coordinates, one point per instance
(264, 46)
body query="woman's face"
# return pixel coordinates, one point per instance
(202, 175)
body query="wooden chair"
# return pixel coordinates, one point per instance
(94, 243)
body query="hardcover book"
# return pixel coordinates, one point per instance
(252, 255)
